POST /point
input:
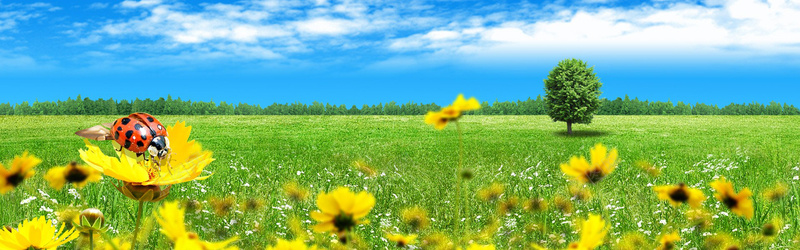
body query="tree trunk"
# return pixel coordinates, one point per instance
(569, 128)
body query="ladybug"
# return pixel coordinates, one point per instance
(137, 132)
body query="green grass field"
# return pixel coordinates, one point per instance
(256, 155)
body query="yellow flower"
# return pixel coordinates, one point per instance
(579, 192)
(777, 192)
(38, 233)
(648, 167)
(365, 168)
(593, 230)
(222, 206)
(668, 241)
(676, 195)
(341, 210)
(402, 240)
(740, 203)
(78, 175)
(416, 218)
(295, 192)
(21, 169)
(438, 241)
(535, 204)
(185, 163)
(476, 246)
(171, 219)
(492, 192)
(440, 119)
(508, 206)
(772, 228)
(602, 164)
(296, 244)
(120, 245)
(535, 246)
(437, 119)
(462, 104)
(699, 218)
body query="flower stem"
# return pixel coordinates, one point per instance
(91, 240)
(138, 224)
(458, 177)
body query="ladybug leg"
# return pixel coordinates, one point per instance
(120, 148)
(157, 163)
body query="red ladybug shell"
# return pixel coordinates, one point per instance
(156, 128)
(135, 131)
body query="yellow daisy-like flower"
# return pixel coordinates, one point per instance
(462, 104)
(341, 210)
(78, 175)
(593, 230)
(38, 233)
(21, 169)
(492, 192)
(678, 194)
(185, 163)
(476, 246)
(668, 241)
(295, 192)
(450, 113)
(415, 217)
(117, 244)
(603, 163)
(436, 119)
(296, 244)
(401, 240)
(171, 219)
(740, 203)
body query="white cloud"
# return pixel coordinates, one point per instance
(12, 14)
(749, 25)
(139, 4)
(327, 26)
(98, 6)
(264, 29)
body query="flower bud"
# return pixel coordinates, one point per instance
(89, 217)
(466, 174)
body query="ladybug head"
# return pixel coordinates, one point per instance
(159, 147)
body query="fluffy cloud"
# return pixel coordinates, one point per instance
(748, 25)
(268, 29)
(12, 14)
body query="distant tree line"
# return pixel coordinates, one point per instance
(176, 106)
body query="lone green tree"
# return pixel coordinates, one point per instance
(572, 93)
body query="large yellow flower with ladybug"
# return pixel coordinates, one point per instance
(140, 177)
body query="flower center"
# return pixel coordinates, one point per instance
(15, 179)
(595, 175)
(75, 175)
(679, 194)
(730, 202)
(343, 222)
(669, 246)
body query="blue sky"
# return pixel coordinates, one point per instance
(366, 51)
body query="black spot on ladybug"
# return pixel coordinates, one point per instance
(126, 120)
(150, 119)
(140, 144)
(119, 128)
(128, 134)
(144, 136)
(116, 135)
(137, 126)
(127, 144)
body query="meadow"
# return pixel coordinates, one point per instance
(415, 165)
